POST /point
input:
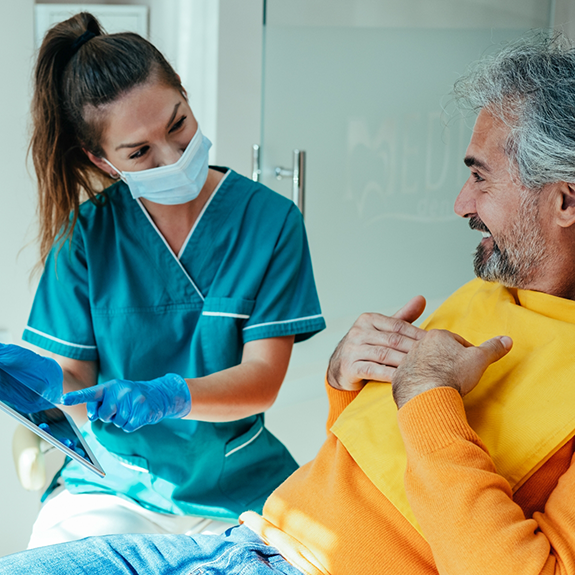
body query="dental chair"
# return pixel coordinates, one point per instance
(28, 453)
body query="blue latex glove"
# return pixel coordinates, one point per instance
(133, 404)
(20, 397)
(36, 372)
(69, 443)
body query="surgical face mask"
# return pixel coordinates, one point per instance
(176, 183)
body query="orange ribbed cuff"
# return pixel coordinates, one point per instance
(338, 401)
(433, 420)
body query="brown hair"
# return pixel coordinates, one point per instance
(73, 81)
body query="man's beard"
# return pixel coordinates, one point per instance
(520, 252)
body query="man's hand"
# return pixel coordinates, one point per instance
(444, 359)
(374, 347)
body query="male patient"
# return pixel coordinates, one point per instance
(472, 474)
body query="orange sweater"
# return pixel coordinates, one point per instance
(329, 518)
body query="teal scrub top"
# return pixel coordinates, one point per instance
(117, 294)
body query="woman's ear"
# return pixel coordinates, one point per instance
(100, 163)
(566, 203)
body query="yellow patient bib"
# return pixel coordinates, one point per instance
(523, 408)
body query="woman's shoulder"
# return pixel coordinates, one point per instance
(256, 195)
(98, 214)
(107, 199)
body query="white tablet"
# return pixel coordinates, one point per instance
(35, 412)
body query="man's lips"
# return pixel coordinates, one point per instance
(476, 224)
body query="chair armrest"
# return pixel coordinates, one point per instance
(28, 459)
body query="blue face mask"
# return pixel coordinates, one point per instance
(176, 183)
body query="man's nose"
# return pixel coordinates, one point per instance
(465, 201)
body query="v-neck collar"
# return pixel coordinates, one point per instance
(198, 219)
(170, 250)
(177, 258)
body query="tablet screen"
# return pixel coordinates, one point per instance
(46, 420)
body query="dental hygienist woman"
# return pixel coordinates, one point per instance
(171, 299)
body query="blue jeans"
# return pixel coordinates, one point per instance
(238, 551)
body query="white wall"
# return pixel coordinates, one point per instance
(17, 507)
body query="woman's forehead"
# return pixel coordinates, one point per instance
(141, 112)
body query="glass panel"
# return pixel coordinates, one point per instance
(384, 163)
(361, 86)
(481, 14)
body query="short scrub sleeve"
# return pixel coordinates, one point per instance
(60, 320)
(287, 302)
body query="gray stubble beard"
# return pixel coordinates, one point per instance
(516, 262)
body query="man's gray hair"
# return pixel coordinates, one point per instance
(530, 85)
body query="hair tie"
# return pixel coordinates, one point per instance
(81, 40)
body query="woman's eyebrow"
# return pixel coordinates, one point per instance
(173, 115)
(167, 127)
(130, 145)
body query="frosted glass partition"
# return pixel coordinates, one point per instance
(481, 14)
(361, 86)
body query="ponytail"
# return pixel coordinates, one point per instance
(79, 70)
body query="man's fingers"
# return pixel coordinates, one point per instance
(370, 371)
(383, 355)
(460, 339)
(411, 310)
(90, 394)
(496, 348)
(373, 328)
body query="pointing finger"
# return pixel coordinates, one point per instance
(89, 394)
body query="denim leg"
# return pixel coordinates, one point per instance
(237, 552)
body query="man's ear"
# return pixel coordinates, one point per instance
(101, 164)
(565, 203)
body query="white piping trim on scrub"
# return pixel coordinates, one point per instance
(134, 467)
(201, 214)
(284, 321)
(169, 248)
(246, 443)
(225, 314)
(59, 340)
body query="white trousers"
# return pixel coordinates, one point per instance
(67, 517)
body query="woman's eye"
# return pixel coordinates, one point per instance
(178, 124)
(139, 153)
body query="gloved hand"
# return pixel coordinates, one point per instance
(20, 397)
(133, 404)
(36, 372)
(69, 443)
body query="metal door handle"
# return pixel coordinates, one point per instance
(298, 178)
(256, 168)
